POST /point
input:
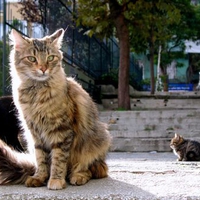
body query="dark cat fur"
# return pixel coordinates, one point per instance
(9, 127)
(185, 149)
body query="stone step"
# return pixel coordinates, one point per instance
(170, 113)
(141, 134)
(154, 103)
(126, 144)
(150, 130)
(140, 144)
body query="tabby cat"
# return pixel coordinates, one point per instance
(70, 142)
(186, 150)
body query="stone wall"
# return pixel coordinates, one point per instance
(150, 130)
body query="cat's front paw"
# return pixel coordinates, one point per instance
(32, 181)
(79, 180)
(180, 159)
(56, 184)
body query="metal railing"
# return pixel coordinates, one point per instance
(93, 56)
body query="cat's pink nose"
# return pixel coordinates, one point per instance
(43, 69)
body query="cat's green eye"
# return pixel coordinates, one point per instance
(31, 58)
(50, 58)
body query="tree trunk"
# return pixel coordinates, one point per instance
(124, 63)
(165, 82)
(158, 80)
(152, 65)
(29, 29)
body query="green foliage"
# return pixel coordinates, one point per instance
(157, 22)
(113, 74)
(17, 24)
(95, 16)
(145, 81)
(121, 109)
(110, 78)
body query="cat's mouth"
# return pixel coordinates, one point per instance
(43, 77)
(39, 77)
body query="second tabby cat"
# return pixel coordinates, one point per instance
(185, 149)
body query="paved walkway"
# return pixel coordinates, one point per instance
(139, 176)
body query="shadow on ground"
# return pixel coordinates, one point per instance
(107, 188)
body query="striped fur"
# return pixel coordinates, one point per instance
(185, 149)
(69, 139)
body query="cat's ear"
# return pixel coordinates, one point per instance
(57, 37)
(18, 41)
(177, 135)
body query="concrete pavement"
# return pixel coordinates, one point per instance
(139, 176)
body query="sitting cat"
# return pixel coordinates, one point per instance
(10, 131)
(186, 150)
(70, 142)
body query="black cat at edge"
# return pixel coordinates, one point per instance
(10, 131)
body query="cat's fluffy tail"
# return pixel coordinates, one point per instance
(192, 156)
(15, 167)
(99, 169)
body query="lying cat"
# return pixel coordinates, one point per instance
(70, 141)
(186, 150)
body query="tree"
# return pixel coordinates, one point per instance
(45, 12)
(105, 18)
(153, 28)
(31, 12)
(160, 23)
(194, 65)
(186, 29)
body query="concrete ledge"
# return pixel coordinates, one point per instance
(132, 176)
(145, 100)
(155, 104)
